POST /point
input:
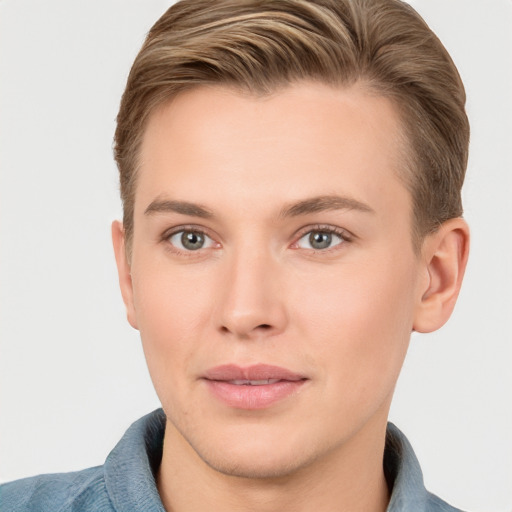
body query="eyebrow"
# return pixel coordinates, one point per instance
(183, 207)
(304, 207)
(324, 203)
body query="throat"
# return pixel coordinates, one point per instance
(196, 477)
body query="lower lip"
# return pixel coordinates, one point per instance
(253, 397)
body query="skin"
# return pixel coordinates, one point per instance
(258, 292)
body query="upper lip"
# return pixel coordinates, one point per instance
(257, 372)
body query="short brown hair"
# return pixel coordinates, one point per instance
(261, 45)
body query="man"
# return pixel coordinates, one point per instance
(290, 174)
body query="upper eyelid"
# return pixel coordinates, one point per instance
(342, 232)
(188, 227)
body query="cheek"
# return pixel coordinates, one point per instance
(171, 300)
(359, 318)
(172, 312)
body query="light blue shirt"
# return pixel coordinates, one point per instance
(126, 482)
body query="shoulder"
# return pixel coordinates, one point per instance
(125, 482)
(404, 475)
(436, 504)
(81, 490)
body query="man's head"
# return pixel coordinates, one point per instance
(261, 46)
(271, 184)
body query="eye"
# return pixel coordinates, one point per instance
(320, 239)
(190, 240)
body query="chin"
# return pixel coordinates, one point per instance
(256, 454)
(255, 467)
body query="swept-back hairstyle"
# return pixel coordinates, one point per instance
(260, 46)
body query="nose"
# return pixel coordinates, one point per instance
(252, 297)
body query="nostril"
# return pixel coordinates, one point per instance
(244, 332)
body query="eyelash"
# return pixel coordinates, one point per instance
(344, 235)
(184, 229)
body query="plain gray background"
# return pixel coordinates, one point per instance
(72, 372)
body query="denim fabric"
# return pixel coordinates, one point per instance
(126, 482)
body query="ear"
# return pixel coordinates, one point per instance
(124, 271)
(445, 254)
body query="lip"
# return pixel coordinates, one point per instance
(231, 384)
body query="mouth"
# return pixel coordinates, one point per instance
(254, 387)
(245, 382)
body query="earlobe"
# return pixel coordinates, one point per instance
(445, 254)
(124, 271)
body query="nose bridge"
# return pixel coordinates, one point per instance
(250, 302)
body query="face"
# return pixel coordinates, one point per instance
(273, 276)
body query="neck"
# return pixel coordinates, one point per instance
(351, 479)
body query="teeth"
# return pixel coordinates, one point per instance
(245, 382)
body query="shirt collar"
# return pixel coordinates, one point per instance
(131, 466)
(403, 474)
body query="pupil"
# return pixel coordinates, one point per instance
(320, 240)
(192, 241)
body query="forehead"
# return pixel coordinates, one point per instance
(216, 144)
